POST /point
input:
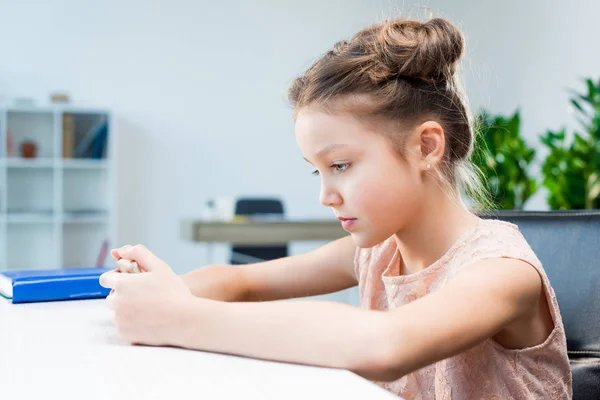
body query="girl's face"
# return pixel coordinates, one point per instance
(363, 178)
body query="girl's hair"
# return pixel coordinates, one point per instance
(401, 71)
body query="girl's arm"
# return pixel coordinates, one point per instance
(476, 305)
(325, 270)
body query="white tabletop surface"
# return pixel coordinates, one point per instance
(70, 350)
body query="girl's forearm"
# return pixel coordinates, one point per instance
(217, 282)
(305, 332)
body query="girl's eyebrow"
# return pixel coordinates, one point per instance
(328, 149)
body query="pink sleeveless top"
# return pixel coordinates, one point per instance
(487, 371)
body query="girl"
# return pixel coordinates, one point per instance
(452, 306)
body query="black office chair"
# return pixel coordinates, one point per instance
(249, 254)
(568, 245)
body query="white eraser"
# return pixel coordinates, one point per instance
(134, 268)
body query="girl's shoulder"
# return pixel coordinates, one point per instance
(493, 238)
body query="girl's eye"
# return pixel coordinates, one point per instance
(337, 167)
(340, 167)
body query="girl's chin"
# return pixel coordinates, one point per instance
(364, 240)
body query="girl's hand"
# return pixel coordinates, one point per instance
(124, 265)
(148, 305)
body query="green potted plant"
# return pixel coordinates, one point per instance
(571, 172)
(504, 159)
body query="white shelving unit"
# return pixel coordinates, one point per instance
(57, 209)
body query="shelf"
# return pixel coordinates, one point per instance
(84, 244)
(31, 248)
(32, 125)
(54, 109)
(99, 217)
(30, 190)
(56, 209)
(84, 164)
(28, 218)
(29, 109)
(85, 189)
(28, 162)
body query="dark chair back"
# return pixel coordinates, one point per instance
(568, 245)
(258, 206)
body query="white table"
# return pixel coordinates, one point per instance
(70, 350)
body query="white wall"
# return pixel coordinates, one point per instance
(198, 87)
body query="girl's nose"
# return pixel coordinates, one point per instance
(329, 197)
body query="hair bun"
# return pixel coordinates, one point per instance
(426, 50)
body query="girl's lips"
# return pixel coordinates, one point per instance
(348, 223)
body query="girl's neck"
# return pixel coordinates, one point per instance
(435, 228)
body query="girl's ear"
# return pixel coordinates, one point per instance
(433, 144)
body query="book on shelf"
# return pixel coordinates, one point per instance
(68, 135)
(99, 145)
(93, 143)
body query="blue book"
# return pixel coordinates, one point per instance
(55, 284)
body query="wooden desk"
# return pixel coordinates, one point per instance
(262, 232)
(70, 350)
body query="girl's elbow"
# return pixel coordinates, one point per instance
(382, 363)
(381, 369)
(381, 356)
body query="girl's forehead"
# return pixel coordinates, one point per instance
(314, 124)
(323, 137)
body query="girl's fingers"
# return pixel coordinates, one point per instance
(122, 264)
(118, 253)
(110, 299)
(148, 261)
(109, 279)
(127, 266)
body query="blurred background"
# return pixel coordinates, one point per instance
(190, 98)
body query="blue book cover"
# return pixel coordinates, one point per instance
(50, 285)
(99, 143)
